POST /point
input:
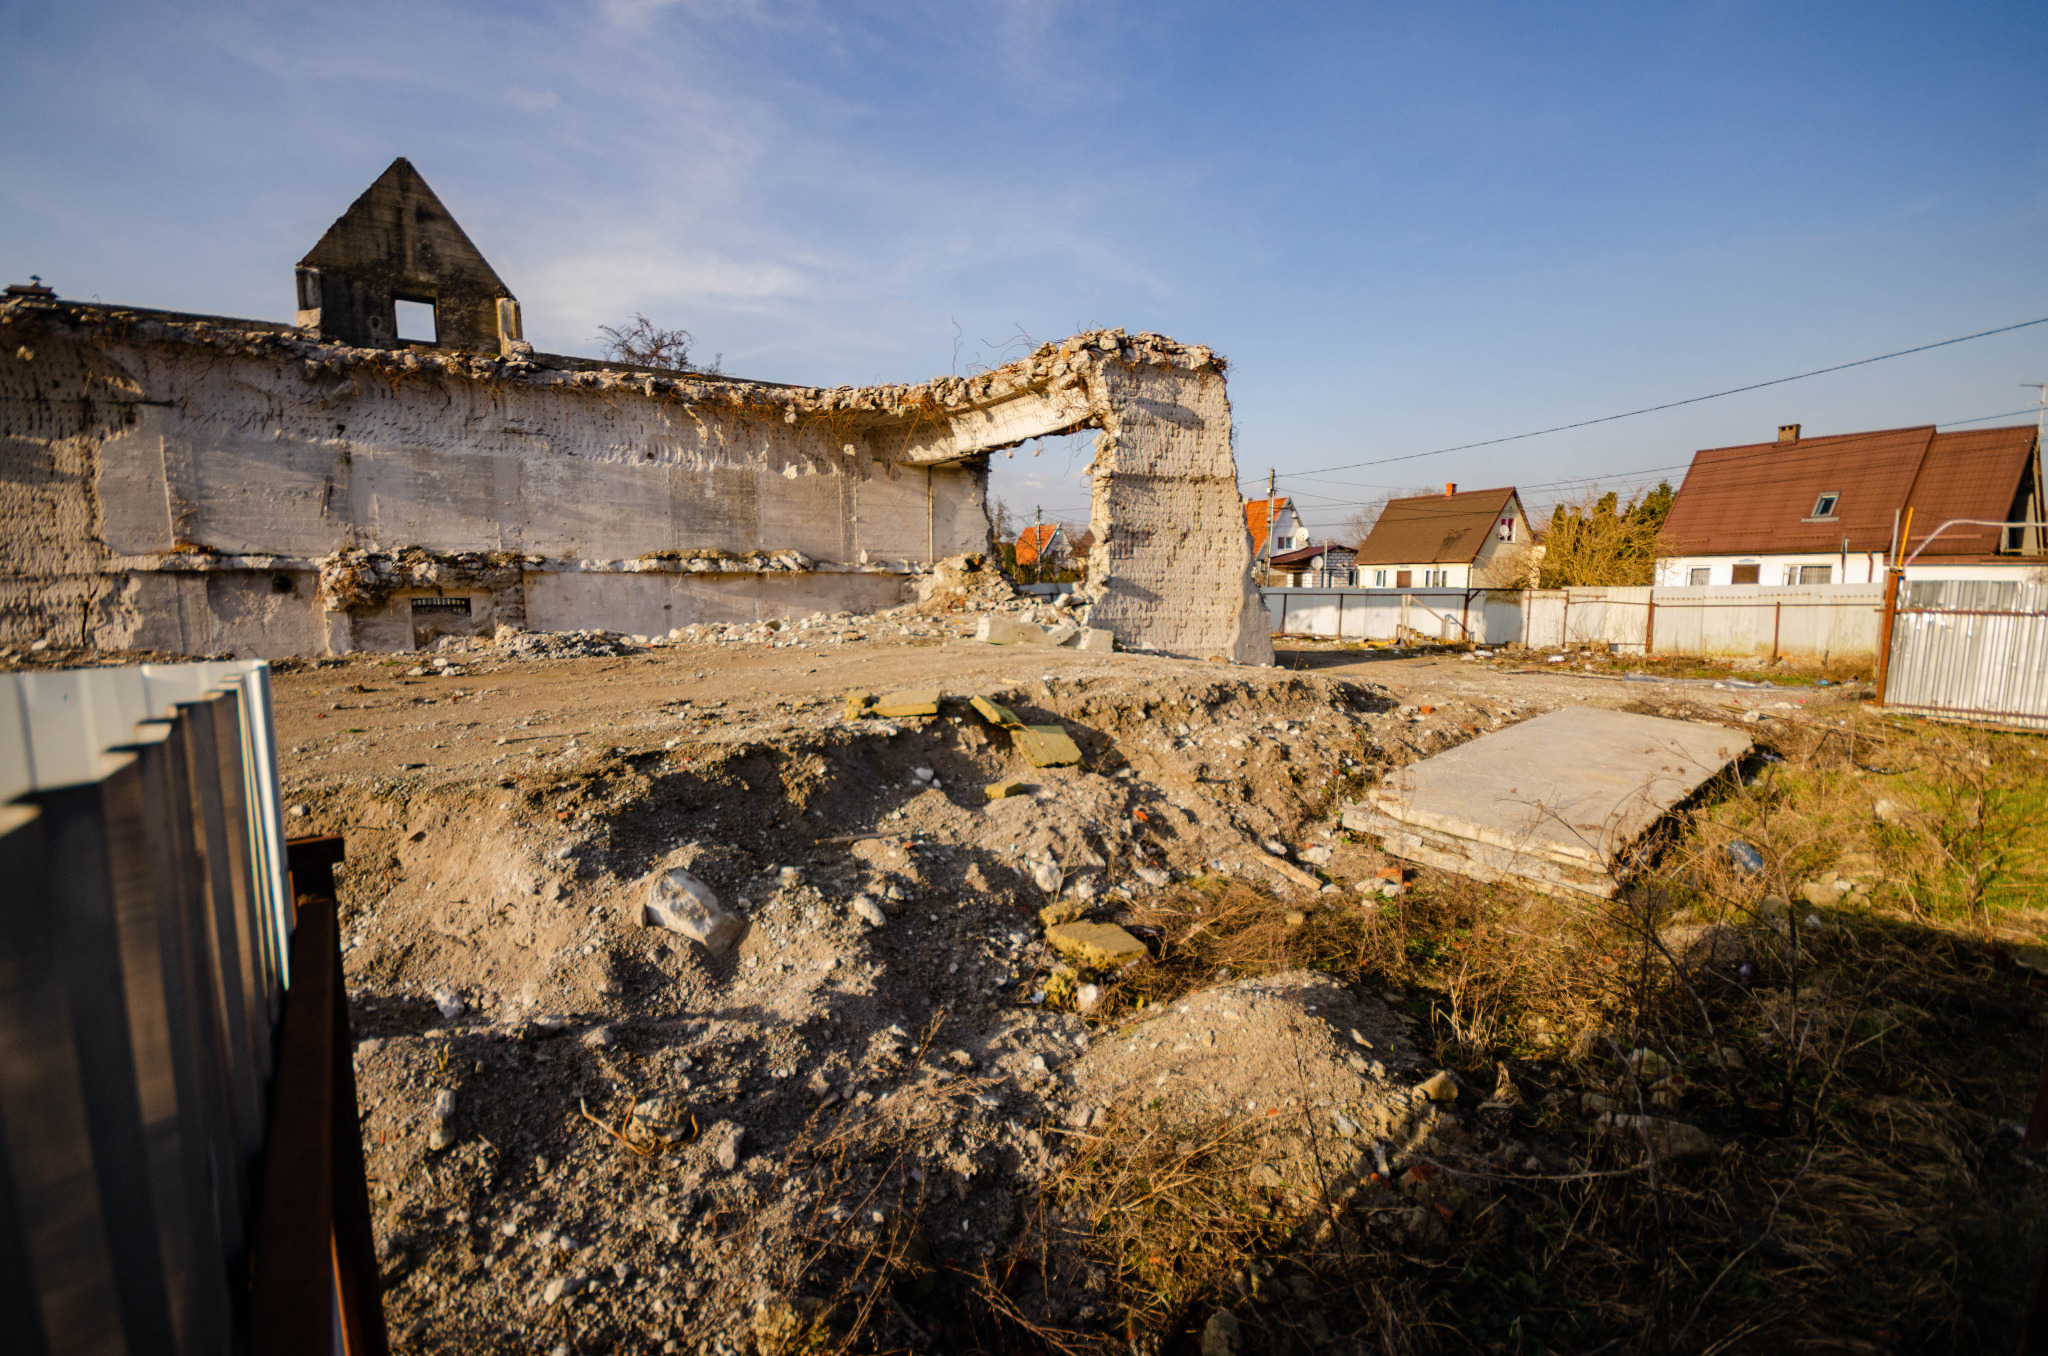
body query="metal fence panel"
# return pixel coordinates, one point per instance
(142, 936)
(1812, 622)
(1971, 649)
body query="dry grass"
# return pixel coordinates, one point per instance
(1861, 1064)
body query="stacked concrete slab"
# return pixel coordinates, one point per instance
(1560, 803)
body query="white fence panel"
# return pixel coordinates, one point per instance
(1485, 616)
(1813, 622)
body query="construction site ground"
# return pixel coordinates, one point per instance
(585, 1133)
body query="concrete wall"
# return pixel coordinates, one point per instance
(1172, 564)
(181, 483)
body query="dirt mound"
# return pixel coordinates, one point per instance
(1298, 1045)
(653, 1143)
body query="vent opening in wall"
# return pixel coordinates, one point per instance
(282, 583)
(416, 322)
(457, 607)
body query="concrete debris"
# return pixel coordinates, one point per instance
(1439, 1087)
(1047, 746)
(730, 1141)
(1666, 1139)
(1061, 634)
(868, 911)
(1002, 790)
(1556, 803)
(449, 1003)
(1222, 1335)
(1096, 641)
(441, 1124)
(661, 1119)
(1096, 946)
(902, 705)
(995, 630)
(680, 902)
(1041, 745)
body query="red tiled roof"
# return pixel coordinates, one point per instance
(1434, 529)
(1033, 540)
(1258, 516)
(1759, 498)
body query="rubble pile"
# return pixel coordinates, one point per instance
(665, 1028)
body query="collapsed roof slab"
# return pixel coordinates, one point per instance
(1558, 804)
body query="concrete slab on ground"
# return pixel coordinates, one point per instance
(1554, 802)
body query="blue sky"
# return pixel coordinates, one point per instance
(1408, 226)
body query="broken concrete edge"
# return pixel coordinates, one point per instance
(938, 399)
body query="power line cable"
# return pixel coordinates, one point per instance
(1689, 400)
(1824, 447)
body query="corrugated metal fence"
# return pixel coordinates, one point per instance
(146, 925)
(1969, 650)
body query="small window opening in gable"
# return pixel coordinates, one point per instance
(1824, 507)
(416, 322)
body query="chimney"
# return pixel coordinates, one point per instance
(1788, 433)
(1450, 490)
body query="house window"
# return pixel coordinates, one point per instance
(1743, 574)
(1379, 579)
(1814, 574)
(1507, 529)
(1824, 507)
(1435, 579)
(1699, 576)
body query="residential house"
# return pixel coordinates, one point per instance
(1314, 567)
(1457, 539)
(1043, 545)
(1827, 510)
(1277, 516)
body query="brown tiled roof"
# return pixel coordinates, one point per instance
(1978, 474)
(1759, 498)
(1259, 514)
(1434, 529)
(1033, 540)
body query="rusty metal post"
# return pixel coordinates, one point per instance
(1884, 633)
(1777, 616)
(1650, 628)
(315, 1286)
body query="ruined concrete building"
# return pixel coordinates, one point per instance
(205, 485)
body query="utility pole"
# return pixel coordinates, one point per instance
(1038, 545)
(2040, 511)
(1266, 547)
